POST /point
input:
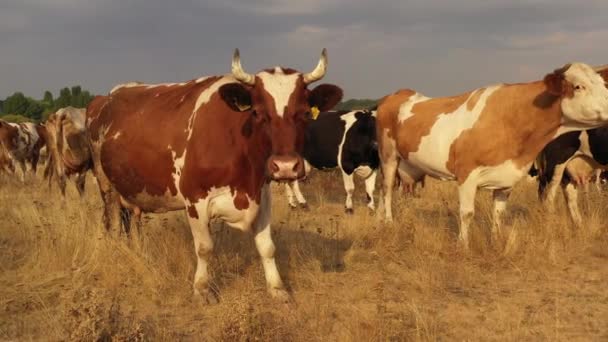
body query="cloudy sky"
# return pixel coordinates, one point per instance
(375, 47)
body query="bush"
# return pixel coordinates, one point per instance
(16, 118)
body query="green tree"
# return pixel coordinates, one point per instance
(34, 110)
(64, 99)
(15, 104)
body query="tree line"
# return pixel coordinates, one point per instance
(356, 104)
(19, 107)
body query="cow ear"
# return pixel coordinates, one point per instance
(554, 83)
(325, 97)
(236, 96)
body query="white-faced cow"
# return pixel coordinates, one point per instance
(487, 138)
(68, 147)
(341, 139)
(21, 144)
(210, 146)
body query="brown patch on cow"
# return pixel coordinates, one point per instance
(557, 84)
(474, 98)
(144, 129)
(425, 114)
(8, 135)
(192, 211)
(604, 74)
(511, 127)
(240, 201)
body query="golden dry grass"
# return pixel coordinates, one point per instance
(352, 278)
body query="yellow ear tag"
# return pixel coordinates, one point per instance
(314, 111)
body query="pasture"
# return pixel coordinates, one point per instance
(352, 278)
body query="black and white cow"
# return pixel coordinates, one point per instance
(341, 139)
(571, 160)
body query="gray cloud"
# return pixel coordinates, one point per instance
(375, 48)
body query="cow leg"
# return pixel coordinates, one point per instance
(370, 186)
(500, 204)
(266, 248)
(466, 197)
(293, 193)
(35, 158)
(203, 246)
(80, 183)
(111, 199)
(349, 187)
(291, 199)
(23, 170)
(571, 196)
(389, 161)
(551, 191)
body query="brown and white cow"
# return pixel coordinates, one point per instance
(210, 146)
(21, 144)
(68, 147)
(486, 138)
(9, 137)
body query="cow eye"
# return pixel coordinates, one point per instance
(578, 87)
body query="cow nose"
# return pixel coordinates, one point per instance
(285, 167)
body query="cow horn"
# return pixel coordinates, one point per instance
(237, 69)
(319, 71)
(600, 68)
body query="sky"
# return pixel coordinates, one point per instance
(375, 47)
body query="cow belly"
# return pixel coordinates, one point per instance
(156, 204)
(429, 165)
(501, 176)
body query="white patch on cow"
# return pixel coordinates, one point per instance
(364, 171)
(434, 149)
(280, 86)
(349, 120)
(405, 110)
(178, 165)
(127, 85)
(221, 206)
(589, 105)
(202, 79)
(205, 96)
(116, 135)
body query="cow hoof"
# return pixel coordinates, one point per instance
(280, 295)
(304, 206)
(293, 206)
(349, 211)
(207, 297)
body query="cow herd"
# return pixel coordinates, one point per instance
(213, 145)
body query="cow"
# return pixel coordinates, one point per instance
(211, 146)
(486, 138)
(9, 137)
(21, 144)
(346, 140)
(572, 160)
(68, 147)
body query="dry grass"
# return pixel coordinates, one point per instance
(352, 278)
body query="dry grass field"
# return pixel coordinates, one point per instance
(352, 278)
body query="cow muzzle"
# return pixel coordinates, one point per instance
(285, 167)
